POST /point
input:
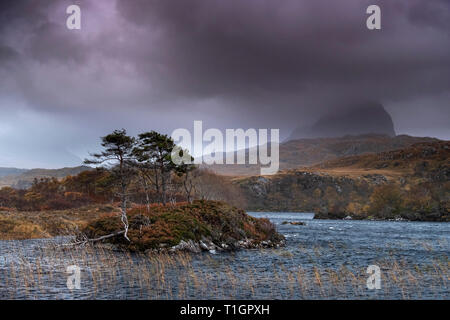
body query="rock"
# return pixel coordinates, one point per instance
(243, 243)
(294, 223)
(208, 245)
(376, 178)
(260, 187)
(348, 218)
(203, 246)
(189, 246)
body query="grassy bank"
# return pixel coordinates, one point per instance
(19, 225)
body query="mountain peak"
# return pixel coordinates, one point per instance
(355, 119)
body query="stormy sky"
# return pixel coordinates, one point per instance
(161, 64)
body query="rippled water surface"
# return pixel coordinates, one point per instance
(323, 259)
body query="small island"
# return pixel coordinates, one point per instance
(199, 226)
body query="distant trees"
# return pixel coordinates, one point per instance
(206, 185)
(420, 199)
(146, 163)
(141, 171)
(8, 197)
(190, 174)
(44, 194)
(130, 170)
(386, 201)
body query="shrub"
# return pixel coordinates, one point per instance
(386, 201)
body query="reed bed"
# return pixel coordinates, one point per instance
(39, 272)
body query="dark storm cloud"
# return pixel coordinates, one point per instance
(239, 47)
(238, 63)
(7, 53)
(435, 14)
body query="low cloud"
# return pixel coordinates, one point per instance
(161, 64)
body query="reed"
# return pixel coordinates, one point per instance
(40, 273)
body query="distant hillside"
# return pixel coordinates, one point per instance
(9, 171)
(355, 119)
(420, 157)
(306, 152)
(412, 183)
(25, 179)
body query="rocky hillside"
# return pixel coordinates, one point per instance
(412, 183)
(306, 152)
(428, 158)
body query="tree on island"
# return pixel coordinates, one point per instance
(153, 153)
(118, 153)
(146, 159)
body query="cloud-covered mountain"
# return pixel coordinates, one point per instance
(160, 65)
(365, 118)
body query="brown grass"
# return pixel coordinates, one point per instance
(20, 225)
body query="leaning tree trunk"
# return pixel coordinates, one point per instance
(124, 217)
(123, 198)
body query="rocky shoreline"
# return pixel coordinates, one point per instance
(204, 245)
(209, 246)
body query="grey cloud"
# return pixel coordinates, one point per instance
(236, 48)
(7, 53)
(161, 64)
(434, 13)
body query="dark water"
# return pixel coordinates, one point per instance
(324, 259)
